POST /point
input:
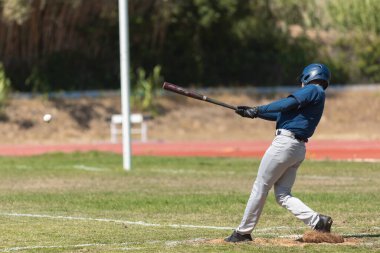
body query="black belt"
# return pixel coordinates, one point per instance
(290, 134)
(301, 139)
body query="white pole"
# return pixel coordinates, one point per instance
(124, 77)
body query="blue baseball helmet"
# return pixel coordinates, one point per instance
(316, 71)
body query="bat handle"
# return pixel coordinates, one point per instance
(217, 102)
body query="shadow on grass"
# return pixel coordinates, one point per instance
(361, 235)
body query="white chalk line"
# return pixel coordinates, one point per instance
(166, 243)
(139, 223)
(124, 246)
(88, 168)
(86, 245)
(190, 171)
(142, 223)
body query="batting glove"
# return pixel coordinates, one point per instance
(247, 112)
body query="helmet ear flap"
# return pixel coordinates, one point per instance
(324, 84)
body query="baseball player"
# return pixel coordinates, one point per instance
(297, 117)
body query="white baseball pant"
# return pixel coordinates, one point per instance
(278, 167)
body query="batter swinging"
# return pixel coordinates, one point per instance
(297, 117)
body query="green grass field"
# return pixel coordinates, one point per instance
(85, 202)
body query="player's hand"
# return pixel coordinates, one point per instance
(247, 112)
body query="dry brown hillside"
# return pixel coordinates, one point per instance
(348, 115)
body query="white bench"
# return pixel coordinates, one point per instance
(136, 119)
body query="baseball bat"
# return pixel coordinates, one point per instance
(177, 89)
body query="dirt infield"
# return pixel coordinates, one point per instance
(316, 149)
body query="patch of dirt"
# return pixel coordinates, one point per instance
(318, 237)
(348, 115)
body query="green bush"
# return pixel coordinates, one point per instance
(5, 85)
(354, 60)
(144, 89)
(369, 60)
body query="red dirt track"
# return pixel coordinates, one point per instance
(316, 149)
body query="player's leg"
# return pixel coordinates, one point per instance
(279, 156)
(282, 189)
(283, 152)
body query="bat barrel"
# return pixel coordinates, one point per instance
(182, 91)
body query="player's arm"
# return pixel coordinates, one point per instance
(282, 105)
(271, 116)
(269, 111)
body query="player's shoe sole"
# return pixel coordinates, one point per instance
(324, 224)
(236, 237)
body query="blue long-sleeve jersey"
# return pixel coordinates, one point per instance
(299, 113)
(272, 111)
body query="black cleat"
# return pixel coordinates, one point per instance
(236, 237)
(324, 224)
